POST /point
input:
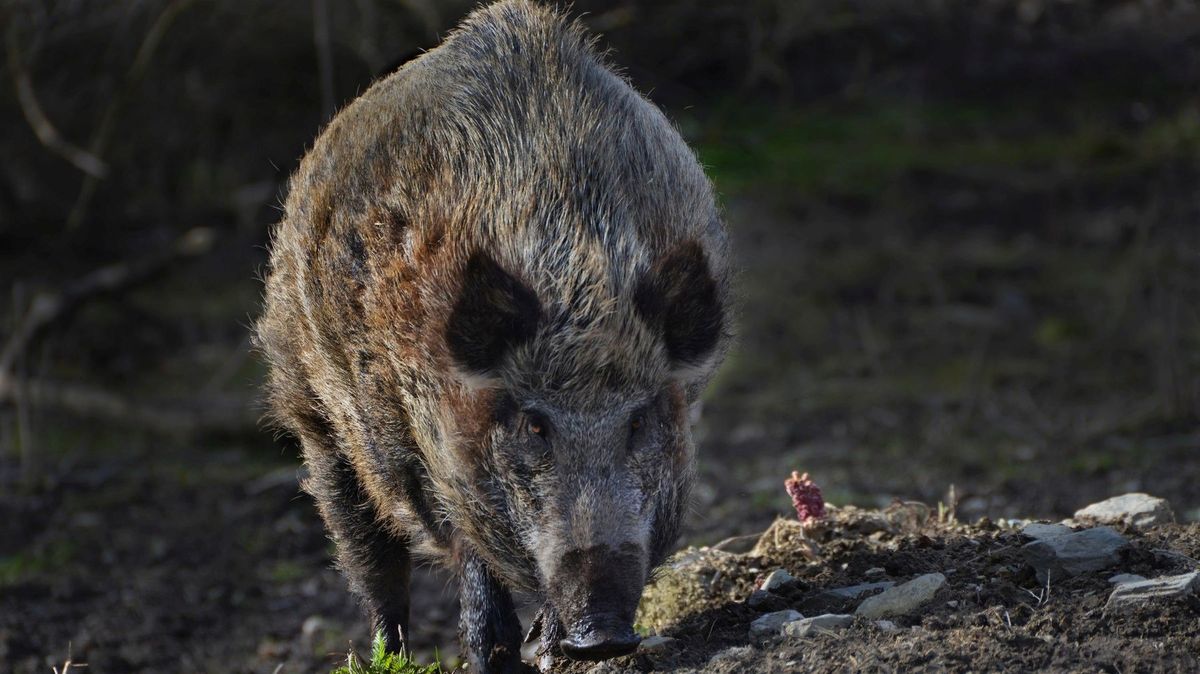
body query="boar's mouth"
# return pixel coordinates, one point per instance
(596, 593)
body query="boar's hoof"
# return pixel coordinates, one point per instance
(600, 638)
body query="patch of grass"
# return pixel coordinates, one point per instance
(16, 568)
(862, 149)
(383, 662)
(286, 571)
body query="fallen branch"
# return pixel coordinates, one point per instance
(49, 308)
(212, 413)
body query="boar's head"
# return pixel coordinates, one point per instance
(587, 461)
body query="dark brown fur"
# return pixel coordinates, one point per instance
(501, 225)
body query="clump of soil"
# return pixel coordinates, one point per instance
(991, 614)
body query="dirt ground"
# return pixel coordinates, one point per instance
(967, 253)
(991, 615)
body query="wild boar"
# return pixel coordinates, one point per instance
(500, 281)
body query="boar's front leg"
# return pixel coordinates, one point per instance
(376, 563)
(490, 630)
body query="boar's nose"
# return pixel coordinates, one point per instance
(599, 637)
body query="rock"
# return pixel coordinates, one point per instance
(875, 571)
(1140, 511)
(1126, 578)
(806, 627)
(311, 625)
(723, 660)
(1039, 531)
(886, 625)
(903, 598)
(1074, 553)
(856, 591)
(776, 580)
(758, 599)
(771, 623)
(656, 644)
(1130, 594)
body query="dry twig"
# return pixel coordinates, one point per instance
(42, 127)
(108, 121)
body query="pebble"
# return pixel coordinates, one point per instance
(1040, 532)
(1057, 557)
(770, 624)
(311, 625)
(776, 580)
(1126, 578)
(758, 598)
(1141, 511)
(903, 598)
(856, 591)
(807, 627)
(655, 644)
(887, 625)
(1130, 594)
(875, 571)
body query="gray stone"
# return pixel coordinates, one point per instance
(1039, 531)
(1057, 557)
(903, 598)
(1126, 595)
(1126, 578)
(771, 623)
(806, 627)
(874, 571)
(886, 625)
(655, 644)
(856, 591)
(758, 598)
(1140, 511)
(776, 580)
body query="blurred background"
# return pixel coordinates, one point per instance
(968, 235)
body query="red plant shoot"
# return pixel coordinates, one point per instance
(806, 497)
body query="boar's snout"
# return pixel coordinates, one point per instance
(599, 637)
(596, 592)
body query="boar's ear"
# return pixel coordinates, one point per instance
(494, 312)
(679, 297)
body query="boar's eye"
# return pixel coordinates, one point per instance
(636, 423)
(536, 425)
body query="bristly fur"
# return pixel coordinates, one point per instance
(495, 216)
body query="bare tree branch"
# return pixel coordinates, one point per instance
(49, 308)
(41, 125)
(214, 412)
(108, 122)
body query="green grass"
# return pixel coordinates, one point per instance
(864, 148)
(383, 662)
(51, 559)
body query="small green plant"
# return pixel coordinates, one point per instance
(383, 662)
